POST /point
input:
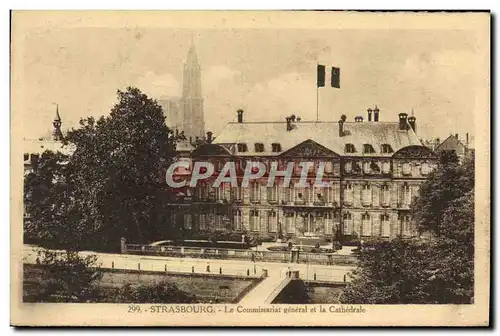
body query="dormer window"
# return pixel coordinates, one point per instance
(276, 147)
(349, 148)
(386, 149)
(368, 149)
(242, 147)
(259, 147)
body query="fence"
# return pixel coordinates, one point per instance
(221, 253)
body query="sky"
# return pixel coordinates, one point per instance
(270, 73)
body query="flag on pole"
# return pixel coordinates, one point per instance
(335, 76)
(321, 75)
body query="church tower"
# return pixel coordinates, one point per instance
(193, 123)
(56, 133)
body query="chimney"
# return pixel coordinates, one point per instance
(403, 125)
(358, 119)
(467, 140)
(341, 128)
(240, 115)
(456, 136)
(288, 124)
(369, 114)
(375, 113)
(413, 123)
(209, 137)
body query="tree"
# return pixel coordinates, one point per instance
(67, 277)
(436, 271)
(113, 185)
(453, 264)
(447, 183)
(161, 292)
(389, 273)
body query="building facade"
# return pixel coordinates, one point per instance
(453, 143)
(373, 169)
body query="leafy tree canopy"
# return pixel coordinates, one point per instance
(113, 184)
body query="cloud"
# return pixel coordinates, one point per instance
(216, 75)
(159, 85)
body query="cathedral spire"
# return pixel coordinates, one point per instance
(192, 58)
(193, 123)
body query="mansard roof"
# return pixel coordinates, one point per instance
(325, 133)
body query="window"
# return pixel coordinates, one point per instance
(272, 194)
(203, 192)
(405, 225)
(219, 223)
(331, 193)
(385, 225)
(254, 192)
(349, 148)
(26, 156)
(218, 164)
(366, 195)
(259, 147)
(348, 194)
(272, 225)
(289, 222)
(386, 167)
(236, 194)
(405, 195)
(366, 225)
(386, 149)
(385, 195)
(203, 221)
(367, 167)
(289, 193)
(237, 220)
(348, 167)
(254, 220)
(406, 168)
(329, 223)
(300, 196)
(424, 169)
(328, 167)
(368, 149)
(242, 147)
(276, 147)
(220, 192)
(188, 222)
(348, 224)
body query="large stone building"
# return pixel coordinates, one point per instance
(374, 168)
(186, 113)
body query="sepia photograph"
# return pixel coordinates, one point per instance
(250, 168)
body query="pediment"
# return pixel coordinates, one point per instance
(309, 148)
